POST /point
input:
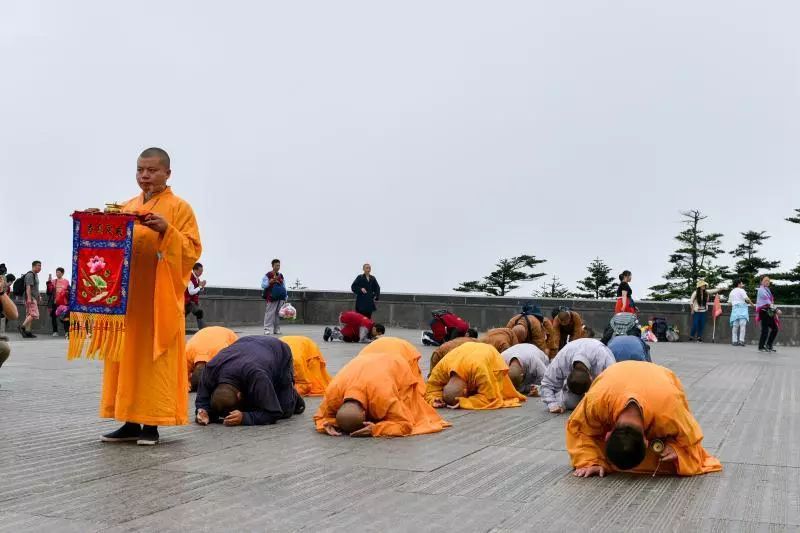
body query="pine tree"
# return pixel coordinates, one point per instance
(796, 218)
(788, 292)
(298, 285)
(507, 276)
(692, 261)
(598, 284)
(749, 264)
(552, 289)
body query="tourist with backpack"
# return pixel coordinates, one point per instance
(57, 297)
(768, 316)
(27, 287)
(273, 290)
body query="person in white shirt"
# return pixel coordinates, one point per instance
(739, 312)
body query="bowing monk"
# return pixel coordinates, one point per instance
(527, 365)
(529, 327)
(202, 347)
(571, 372)
(310, 369)
(473, 376)
(354, 327)
(446, 348)
(148, 386)
(635, 418)
(501, 338)
(401, 347)
(377, 394)
(567, 326)
(250, 383)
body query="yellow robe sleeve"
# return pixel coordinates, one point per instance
(179, 249)
(436, 382)
(586, 443)
(326, 414)
(394, 419)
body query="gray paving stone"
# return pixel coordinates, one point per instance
(503, 470)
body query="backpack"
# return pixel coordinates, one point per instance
(621, 324)
(660, 328)
(18, 289)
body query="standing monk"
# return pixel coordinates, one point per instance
(148, 386)
(367, 292)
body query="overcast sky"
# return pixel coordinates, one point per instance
(428, 138)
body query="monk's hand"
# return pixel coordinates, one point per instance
(557, 409)
(438, 403)
(155, 222)
(233, 419)
(202, 417)
(331, 430)
(669, 454)
(534, 391)
(589, 471)
(366, 431)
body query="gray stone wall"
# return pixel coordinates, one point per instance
(244, 307)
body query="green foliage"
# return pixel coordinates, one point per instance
(749, 265)
(507, 276)
(598, 284)
(552, 289)
(692, 261)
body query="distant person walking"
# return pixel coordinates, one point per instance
(768, 315)
(274, 292)
(191, 297)
(31, 297)
(57, 296)
(367, 292)
(625, 303)
(739, 312)
(699, 304)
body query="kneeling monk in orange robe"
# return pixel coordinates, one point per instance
(310, 369)
(401, 347)
(446, 348)
(202, 348)
(149, 384)
(635, 417)
(473, 376)
(376, 394)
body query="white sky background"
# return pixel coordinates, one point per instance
(429, 138)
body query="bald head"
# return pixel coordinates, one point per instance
(158, 153)
(565, 317)
(351, 416)
(454, 389)
(579, 380)
(197, 373)
(515, 373)
(225, 398)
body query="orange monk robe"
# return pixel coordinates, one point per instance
(149, 384)
(207, 343)
(666, 414)
(485, 372)
(399, 346)
(501, 338)
(386, 387)
(310, 369)
(446, 348)
(528, 329)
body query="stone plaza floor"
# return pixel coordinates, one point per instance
(503, 470)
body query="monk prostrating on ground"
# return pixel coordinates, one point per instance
(310, 369)
(148, 386)
(567, 326)
(527, 365)
(635, 418)
(250, 383)
(446, 348)
(501, 338)
(529, 327)
(398, 346)
(473, 376)
(202, 347)
(569, 375)
(376, 395)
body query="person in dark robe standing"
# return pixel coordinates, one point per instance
(367, 292)
(250, 383)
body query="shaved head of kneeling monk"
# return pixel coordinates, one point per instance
(351, 418)
(454, 389)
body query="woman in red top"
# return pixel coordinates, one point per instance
(57, 295)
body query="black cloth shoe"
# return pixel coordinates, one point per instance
(129, 432)
(148, 436)
(326, 336)
(299, 405)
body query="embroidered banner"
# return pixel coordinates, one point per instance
(101, 261)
